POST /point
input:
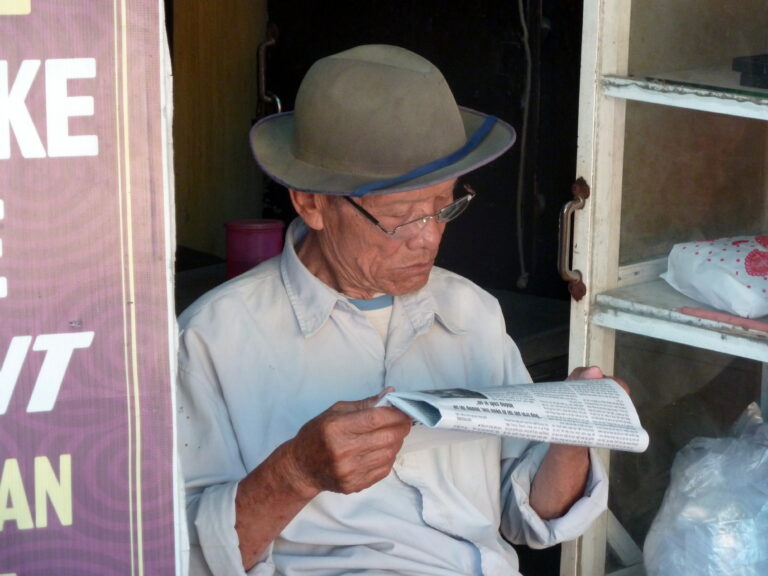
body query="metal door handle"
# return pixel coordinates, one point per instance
(577, 288)
(266, 97)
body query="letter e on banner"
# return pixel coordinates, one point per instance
(60, 107)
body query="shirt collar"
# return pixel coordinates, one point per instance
(423, 307)
(313, 301)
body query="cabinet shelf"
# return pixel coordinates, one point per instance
(708, 90)
(652, 309)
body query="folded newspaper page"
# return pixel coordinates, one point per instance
(596, 413)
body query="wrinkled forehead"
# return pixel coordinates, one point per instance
(441, 191)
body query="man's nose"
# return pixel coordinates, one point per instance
(429, 236)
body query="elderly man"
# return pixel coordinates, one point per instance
(289, 466)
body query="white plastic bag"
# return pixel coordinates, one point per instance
(729, 274)
(714, 517)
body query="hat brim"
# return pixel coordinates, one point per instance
(271, 145)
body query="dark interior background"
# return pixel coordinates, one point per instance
(480, 49)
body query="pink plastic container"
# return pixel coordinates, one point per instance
(250, 242)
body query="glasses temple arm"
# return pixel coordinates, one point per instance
(362, 211)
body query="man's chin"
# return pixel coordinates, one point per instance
(407, 284)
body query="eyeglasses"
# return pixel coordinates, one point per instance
(414, 227)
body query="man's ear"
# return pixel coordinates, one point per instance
(310, 207)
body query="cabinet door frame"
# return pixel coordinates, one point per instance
(605, 49)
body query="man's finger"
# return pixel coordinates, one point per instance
(592, 372)
(364, 404)
(586, 373)
(622, 384)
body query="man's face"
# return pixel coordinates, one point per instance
(360, 260)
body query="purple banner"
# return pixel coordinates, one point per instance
(86, 429)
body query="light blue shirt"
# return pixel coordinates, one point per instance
(269, 350)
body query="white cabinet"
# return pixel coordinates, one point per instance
(674, 148)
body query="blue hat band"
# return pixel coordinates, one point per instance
(435, 165)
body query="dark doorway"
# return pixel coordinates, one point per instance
(480, 47)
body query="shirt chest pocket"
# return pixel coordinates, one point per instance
(459, 481)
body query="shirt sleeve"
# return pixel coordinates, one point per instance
(520, 462)
(520, 523)
(211, 466)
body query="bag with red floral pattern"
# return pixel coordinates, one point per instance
(729, 274)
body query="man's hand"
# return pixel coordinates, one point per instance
(347, 448)
(593, 373)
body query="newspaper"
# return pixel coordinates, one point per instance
(596, 413)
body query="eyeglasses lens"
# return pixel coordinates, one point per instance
(442, 216)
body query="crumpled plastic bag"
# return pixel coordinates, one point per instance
(729, 274)
(713, 520)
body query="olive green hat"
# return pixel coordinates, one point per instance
(375, 119)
